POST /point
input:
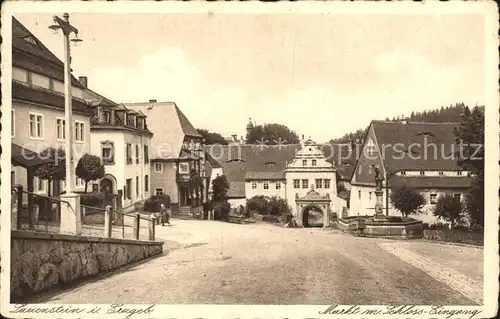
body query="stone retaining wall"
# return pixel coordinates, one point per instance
(40, 261)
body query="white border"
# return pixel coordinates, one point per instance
(486, 9)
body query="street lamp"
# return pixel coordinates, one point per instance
(67, 29)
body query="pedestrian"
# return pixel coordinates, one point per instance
(164, 215)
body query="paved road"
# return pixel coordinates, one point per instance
(214, 262)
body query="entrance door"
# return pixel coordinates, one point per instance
(312, 217)
(106, 186)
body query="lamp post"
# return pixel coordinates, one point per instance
(67, 29)
(70, 214)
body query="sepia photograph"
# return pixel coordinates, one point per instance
(201, 156)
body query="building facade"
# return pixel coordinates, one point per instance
(38, 117)
(121, 138)
(177, 156)
(421, 156)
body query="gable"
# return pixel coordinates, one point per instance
(370, 154)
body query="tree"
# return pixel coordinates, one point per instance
(470, 140)
(220, 186)
(449, 209)
(211, 138)
(54, 171)
(195, 183)
(271, 134)
(89, 168)
(406, 200)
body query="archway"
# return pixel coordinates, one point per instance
(313, 216)
(107, 184)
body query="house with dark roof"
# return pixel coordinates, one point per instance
(177, 155)
(121, 138)
(38, 120)
(423, 156)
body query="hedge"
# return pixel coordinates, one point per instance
(153, 203)
(454, 236)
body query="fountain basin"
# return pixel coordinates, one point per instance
(392, 227)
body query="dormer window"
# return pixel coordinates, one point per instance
(106, 117)
(30, 40)
(403, 173)
(313, 162)
(422, 173)
(304, 162)
(425, 134)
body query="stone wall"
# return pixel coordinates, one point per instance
(40, 261)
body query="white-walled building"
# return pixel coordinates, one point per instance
(121, 138)
(419, 155)
(38, 118)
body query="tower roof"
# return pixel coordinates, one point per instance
(250, 124)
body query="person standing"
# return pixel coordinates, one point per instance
(164, 215)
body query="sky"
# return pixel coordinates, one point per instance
(322, 75)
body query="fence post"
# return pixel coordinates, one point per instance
(119, 206)
(107, 221)
(19, 192)
(136, 225)
(152, 223)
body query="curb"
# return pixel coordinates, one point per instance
(450, 243)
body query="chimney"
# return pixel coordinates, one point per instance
(152, 101)
(242, 140)
(83, 81)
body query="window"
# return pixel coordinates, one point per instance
(304, 162)
(146, 154)
(459, 173)
(433, 199)
(128, 188)
(278, 185)
(159, 191)
(51, 84)
(106, 117)
(158, 167)
(457, 196)
(39, 184)
(137, 153)
(441, 173)
(12, 123)
(296, 183)
(254, 185)
(36, 125)
(146, 183)
(319, 183)
(327, 183)
(29, 78)
(137, 186)
(108, 157)
(60, 128)
(79, 182)
(79, 131)
(369, 196)
(183, 168)
(129, 153)
(403, 173)
(266, 185)
(370, 148)
(12, 178)
(305, 183)
(422, 173)
(313, 162)
(30, 40)
(359, 194)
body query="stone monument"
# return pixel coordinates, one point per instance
(379, 210)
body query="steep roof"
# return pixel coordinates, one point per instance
(427, 182)
(411, 145)
(27, 158)
(27, 93)
(170, 127)
(29, 53)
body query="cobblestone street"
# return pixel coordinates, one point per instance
(214, 262)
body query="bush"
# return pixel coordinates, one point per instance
(268, 205)
(449, 209)
(153, 203)
(439, 225)
(455, 236)
(221, 210)
(92, 199)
